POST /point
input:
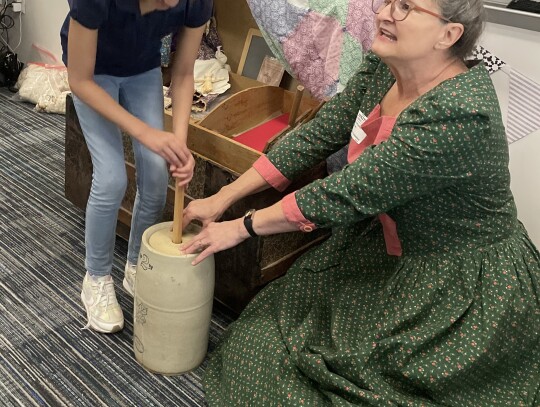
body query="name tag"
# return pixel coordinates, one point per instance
(357, 134)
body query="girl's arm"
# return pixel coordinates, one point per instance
(182, 85)
(189, 40)
(82, 48)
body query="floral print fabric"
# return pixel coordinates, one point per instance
(320, 42)
(454, 321)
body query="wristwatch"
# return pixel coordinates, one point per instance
(248, 222)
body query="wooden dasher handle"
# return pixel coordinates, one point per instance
(177, 217)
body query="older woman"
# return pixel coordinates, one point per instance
(427, 292)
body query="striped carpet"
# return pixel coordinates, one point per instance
(45, 357)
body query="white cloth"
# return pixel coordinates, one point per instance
(212, 75)
(44, 85)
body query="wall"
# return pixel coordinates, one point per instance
(520, 49)
(41, 25)
(234, 20)
(43, 18)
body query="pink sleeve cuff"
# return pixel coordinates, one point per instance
(270, 173)
(293, 214)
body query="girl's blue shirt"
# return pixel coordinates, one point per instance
(129, 43)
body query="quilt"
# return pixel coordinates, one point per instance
(320, 42)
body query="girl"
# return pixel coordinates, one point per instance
(112, 51)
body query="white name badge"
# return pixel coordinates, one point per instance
(357, 134)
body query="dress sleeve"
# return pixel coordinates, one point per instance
(89, 13)
(415, 161)
(329, 131)
(198, 12)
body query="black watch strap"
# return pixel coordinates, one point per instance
(248, 222)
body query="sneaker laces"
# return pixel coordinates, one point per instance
(105, 294)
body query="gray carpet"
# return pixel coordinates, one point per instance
(45, 357)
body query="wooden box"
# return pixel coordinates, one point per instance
(242, 271)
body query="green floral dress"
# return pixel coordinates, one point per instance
(454, 320)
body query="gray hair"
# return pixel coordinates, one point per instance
(472, 15)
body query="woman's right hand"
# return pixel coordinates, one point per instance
(206, 210)
(210, 209)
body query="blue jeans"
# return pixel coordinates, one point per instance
(142, 96)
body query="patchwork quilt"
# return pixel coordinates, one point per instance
(320, 42)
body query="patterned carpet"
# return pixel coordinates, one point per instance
(45, 357)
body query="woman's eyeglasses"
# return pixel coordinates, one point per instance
(400, 9)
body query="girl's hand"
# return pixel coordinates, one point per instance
(167, 145)
(183, 174)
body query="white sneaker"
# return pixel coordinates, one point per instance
(130, 271)
(104, 313)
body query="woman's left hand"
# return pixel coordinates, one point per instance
(215, 237)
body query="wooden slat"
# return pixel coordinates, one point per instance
(296, 104)
(221, 150)
(239, 82)
(124, 216)
(244, 110)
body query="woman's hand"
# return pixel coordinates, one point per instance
(206, 210)
(214, 238)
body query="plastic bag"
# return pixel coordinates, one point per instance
(45, 85)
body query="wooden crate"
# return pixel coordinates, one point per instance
(78, 164)
(245, 269)
(242, 271)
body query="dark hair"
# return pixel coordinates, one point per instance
(472, 15)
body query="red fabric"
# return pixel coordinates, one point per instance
(270, 173)
(391, 238)
(257, 137)
(378, 129)
(294, 215)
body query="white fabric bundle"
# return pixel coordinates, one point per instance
(212, 75)
(45, 85)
